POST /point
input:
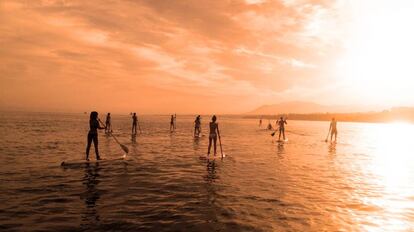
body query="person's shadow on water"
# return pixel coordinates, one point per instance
(90, 217)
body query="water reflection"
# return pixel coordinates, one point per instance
(280, 150)
(133, 138)
(90, 217)
(332, 149)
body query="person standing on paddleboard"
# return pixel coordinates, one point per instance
(172, 126)
(214, 132)
(108, 124)
(333, 129)
(281, 123)
(134, 124)
(197, 126)
(93, 134)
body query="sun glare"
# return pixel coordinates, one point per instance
(377, 64)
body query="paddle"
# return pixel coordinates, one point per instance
(326, 140)
(139, 127)
(123, 147)
(221, 147)
(273, 134)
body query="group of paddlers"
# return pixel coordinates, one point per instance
(95, 123)
(281, 122)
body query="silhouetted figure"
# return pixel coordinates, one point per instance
(197, 126)
(269, 126)
(333, 129)
(93, 134)
(108, 123)
(214, 132)
(134, 123)
(260, 123)
(281, 123)
(172, 122)
(175, 121)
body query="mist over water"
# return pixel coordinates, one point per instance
(365, 182)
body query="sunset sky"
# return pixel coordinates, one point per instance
(204, 56)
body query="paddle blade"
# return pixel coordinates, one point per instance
(273, 134)
(125, 148)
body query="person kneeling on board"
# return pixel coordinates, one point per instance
(93, 134)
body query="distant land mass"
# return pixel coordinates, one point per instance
(301, 107)
(316, 112)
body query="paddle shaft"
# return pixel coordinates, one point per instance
(327, 136)
(221, 147)
(116, 140)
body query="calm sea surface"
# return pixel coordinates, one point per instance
(365, 182)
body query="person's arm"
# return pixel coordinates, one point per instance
(99, 124)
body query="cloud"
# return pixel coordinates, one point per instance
(163, 50)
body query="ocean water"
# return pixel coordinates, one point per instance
(364, 182)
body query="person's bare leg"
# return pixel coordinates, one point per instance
(95, 144)
(209, 146)
(215, 146)
(88, 147)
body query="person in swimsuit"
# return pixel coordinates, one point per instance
(333, 129)
(197, 126)
(93, 134)
(172, 126)
(214, 132)
(134, 123)
(281, 123)
(108, 124)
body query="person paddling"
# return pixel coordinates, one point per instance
(93, 134)
(333, 129)
(197, 126)
(134, 124)
(108, 124)
(214, 132)
(172, 126)
(281, 123)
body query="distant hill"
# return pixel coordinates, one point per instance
(308, 111)
(296, 107)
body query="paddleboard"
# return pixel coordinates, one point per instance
(80, 162)
(282, 141)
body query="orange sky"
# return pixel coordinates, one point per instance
(208, 56)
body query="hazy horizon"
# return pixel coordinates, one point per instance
(223, 57)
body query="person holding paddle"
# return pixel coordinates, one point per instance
(93, 134)
(134, 124)
(281, 123)
(172, 123)
(333, 129)
(197, 126)
(214, 132)
(108, 125)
